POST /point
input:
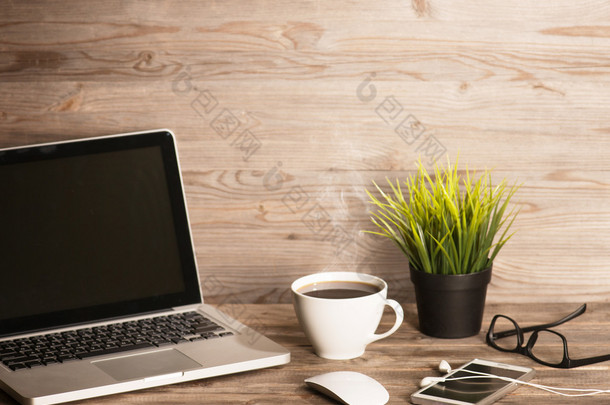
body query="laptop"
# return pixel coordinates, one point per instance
(99, 289)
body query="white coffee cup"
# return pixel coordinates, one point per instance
(341, 328)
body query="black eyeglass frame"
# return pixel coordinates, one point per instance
(526, 349)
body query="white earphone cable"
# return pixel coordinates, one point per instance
(554, 390)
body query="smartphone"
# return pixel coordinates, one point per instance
(480, 390)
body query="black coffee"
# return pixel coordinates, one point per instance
(339, 289)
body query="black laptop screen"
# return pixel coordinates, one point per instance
(92, 230)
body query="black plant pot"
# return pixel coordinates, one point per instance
(450, 306)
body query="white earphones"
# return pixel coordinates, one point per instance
(444, 367)
(429, 381)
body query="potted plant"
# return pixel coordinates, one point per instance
(448, 225)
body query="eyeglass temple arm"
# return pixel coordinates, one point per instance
(581, 310)
(587, 361)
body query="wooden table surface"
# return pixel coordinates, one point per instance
(398, 362)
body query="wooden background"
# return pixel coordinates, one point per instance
(286, 110)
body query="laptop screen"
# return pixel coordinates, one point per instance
(92, 229)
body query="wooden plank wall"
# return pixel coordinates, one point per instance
(286, 110)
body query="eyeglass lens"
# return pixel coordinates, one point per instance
(504, 324)
(548, 347)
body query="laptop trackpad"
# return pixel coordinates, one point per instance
(146, 365)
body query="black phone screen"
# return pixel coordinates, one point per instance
(475, 388)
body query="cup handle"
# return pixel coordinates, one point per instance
(399, 317)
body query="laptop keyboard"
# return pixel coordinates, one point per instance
(84, 343)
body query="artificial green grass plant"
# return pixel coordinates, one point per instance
(446, 224)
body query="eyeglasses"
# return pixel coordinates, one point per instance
(505, 335)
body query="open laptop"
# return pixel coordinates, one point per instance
(99, 290)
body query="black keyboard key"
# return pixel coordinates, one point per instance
(49, 360)
(125, 343)
(66, 358)
(19, 359)
(116, 350)
(208, 328)
(162, 342)
(17, 366)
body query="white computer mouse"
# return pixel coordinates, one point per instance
(350, 388)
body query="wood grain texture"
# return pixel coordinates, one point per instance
(286, 111)
(399, 362)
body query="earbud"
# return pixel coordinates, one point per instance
(429, 381)
(444, 367)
